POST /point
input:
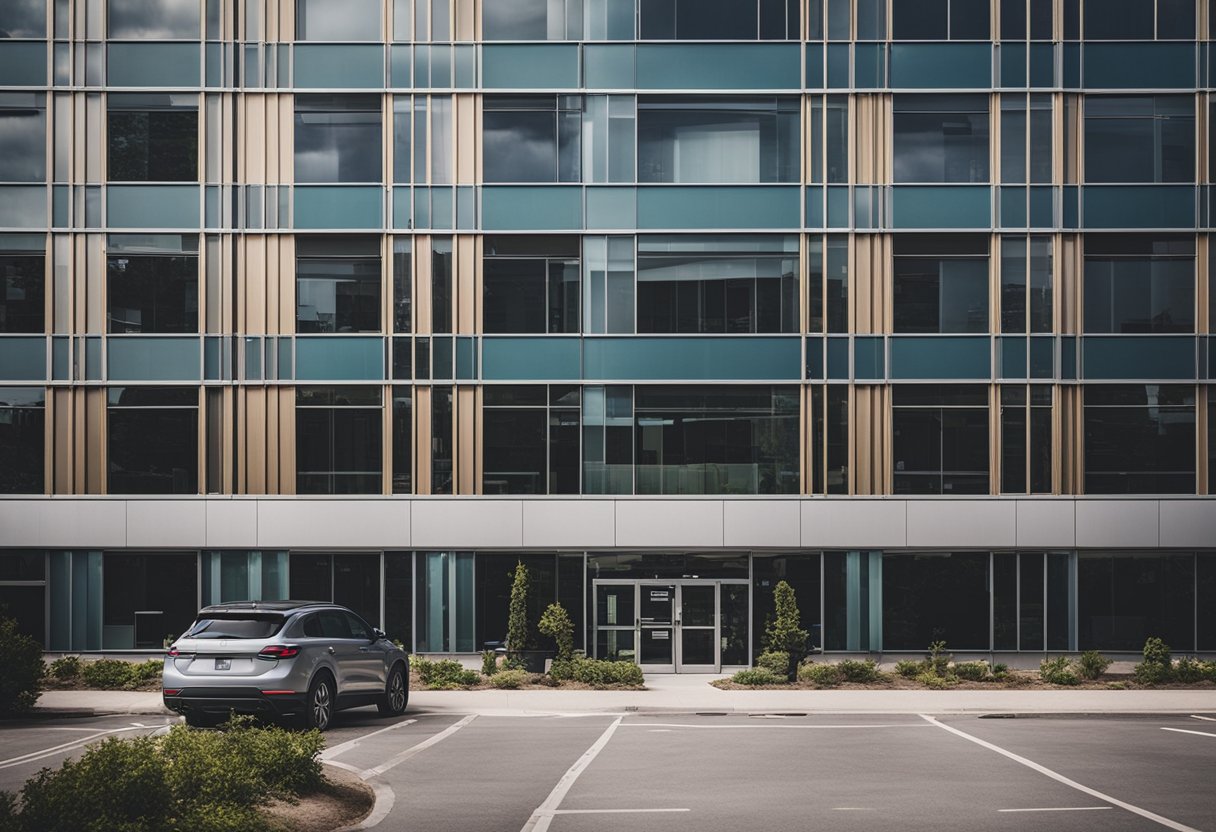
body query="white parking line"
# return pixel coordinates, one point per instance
(1144, 813)
(765, 726)
(543, 816)
(1059, 809)
(34, 756)
(341, 748)
(1204, 718)
(1185, 731)
(610, 811)
(393, 762)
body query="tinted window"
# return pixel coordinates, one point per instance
(941, 292)
(531, 284)
(1142, 138)
(940, 437)
(23, 137)
(1140, 439)
(1139, 284)
(337, 138)
(153, 138)
(532, 139)
(940, 20)
(357, 628)
(338, 440)
(23, 19)
(22, 439)
(152, 292)
(403, 439)
(531, 448)
(1125, 598)
(337, 285)
(153, 440)
(153, 19)
(235, 627)
(22, 291)
(531, 20)
(935, 597)
(312, 626)
(348, 20)
(941, 138)
(147, 598)
(334, 624)
(719, 19)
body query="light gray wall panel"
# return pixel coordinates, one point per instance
(465, 523)
(66, 523)
(752, 523)
(1188, 523)
(1121, 523)
(166, 523)
(970, 523)
(1046, 523)
(574, 523)
(333, 523)
(231, 523)
(669, 523)
(854, 524)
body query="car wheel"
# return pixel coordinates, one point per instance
(396, 693)
(319, 710)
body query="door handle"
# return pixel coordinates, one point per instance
(362, 649)
(330, 649)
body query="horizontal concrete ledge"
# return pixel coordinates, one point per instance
(710, 522)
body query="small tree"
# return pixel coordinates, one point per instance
(556, 624)
(517, 615)
(784, 633)
(21, 658)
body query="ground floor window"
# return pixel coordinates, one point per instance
(935, 596)
(1124, 598)
(801, 572)
(23, 591)
(352, 580)
(148, 599)
(244, 576)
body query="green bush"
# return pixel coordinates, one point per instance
(444, 674)
(910, 669)
(509, 679)
(106, 674)
(8, 813)
(66, 668)
(820, 675)
(556, 624)
(784, 633)
(859, 671)
(598, 672)
(1058, 671)
(971, 671)
(1157, 667)
(931, 680)
(1209, 671)
(938, 660)
(517, 616)
(1092, 664)
(146, 673)
(1000, 670)
(22, 669)
(1188, 670)
(489, 663)
(760, 676)
(774, 661)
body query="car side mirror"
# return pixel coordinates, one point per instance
(377, 634)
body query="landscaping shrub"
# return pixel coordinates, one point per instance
(556, 623)
(489, 663)
(938, 660)
(820, 675)
(598, 672)
(1000, 670)
(1092, 664)
(65, 669)
(859, 671)
(774, 661)
(1058, 671)
(145, 673)
(760, 676)
(21, 669)
(1189, 670)
(784, 634)
(517, 616)
(1209, 671)
(971, 671)
(1157, 666)
(931, 680)
(444, 674)
(910, 669)
(509, 679)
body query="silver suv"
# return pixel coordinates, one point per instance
(283, 658)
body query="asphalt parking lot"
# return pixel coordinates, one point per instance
(733, 771)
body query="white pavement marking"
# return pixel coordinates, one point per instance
(393, 762)
(1185, 731)
(543, 816)
(34, 756)
(610, 811)
(853, 809)
(1205, 718)
(761, 726)
(1144, 813)
(342, 747)
(1060, 809)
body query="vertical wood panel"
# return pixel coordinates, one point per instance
(465, 255)
(422, 285)
(466, 440)
(422, 459)
(95, 441)
(63, 445)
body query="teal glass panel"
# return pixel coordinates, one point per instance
(718, 66)
(22, 206)
(61, 358)
(947, 206)
(464, 60)
(400, 66)
(59, 206)
(1138, 206)
(322, 66)
(870, 66)
(154, 359)
(531, 359)
(1072, 66)
(466, 359)
(466, 207)
(838, 206)
(1138, 357)
(1042, 65)
(213, 54)
(23, 63)
(947, 357)
(1013, 207)
(759, 206)
(338, 206)
(710, 359)
(441, 208)
(422, 207)
(442, 362)
(1042, 356)
(522, 208)
(92, 358)
(1071, 204)
(1068, 357)
(339, 358)
(1013, 356)
(919, 66)
(23, 358)
(814, 358)
(1013, 64)
(814, 207)
(814, 66)
(212, 347)
(612, 208)
(152, 206)
(608, 66)
(403, 216)
(1042, 206)
(838, 358)
(838, 66)
(152, 64)
(286, 357)
(547, 66)
(1150, 65)
(869, 358)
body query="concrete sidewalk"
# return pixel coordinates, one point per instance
(690, 693)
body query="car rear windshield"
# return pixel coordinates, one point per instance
(236, 626)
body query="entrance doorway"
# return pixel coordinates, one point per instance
(673, 626)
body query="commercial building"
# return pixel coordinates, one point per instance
(907, 302)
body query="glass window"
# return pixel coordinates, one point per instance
(442, 442)
(801, 572)
(608, 284)
(1026, 144)
(402, 284)
(1026, 284)
(609, 137)
(149, 598)
(719, 19)
(153, 137)
(441, 284)
(532, 20)
(337, 284)
(703, 284)
(399, 597)
(325, 20)
(352, 580)
(717, 440)
(940, 439)
(153, 19)
(718, 140)
(941, 284)
(1137, 283)
(152, 283)
(337, 138)
(1026, 439)
(939, 20)
(338, 440)
(22, 283)
(153, 440)
(1124, 598)
(1139, 138)
(23, 136)
(1140, 439)
(446, 609)
(935, 596)
(941, 138)
(1136, 19)
(23, 19)
(532, 138)
(403, 440)
(531, 440)
(830, 439)
(22, 440)
(531, 284)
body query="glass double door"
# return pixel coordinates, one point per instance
(664, 626)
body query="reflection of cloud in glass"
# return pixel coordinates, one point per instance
(331, 20)
(519, 147)
(23, 137)
(518, 20)
(23, 18)
(154, 19)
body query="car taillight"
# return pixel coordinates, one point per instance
(279, 651)
(174, 653)
(171, 691)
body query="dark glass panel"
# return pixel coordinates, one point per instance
(515, 450)
(1004, 601)
(22, 440)
(441, 284)
(492, 593)
(969, 20)
(564, 429)
(399, 597)
(1145, 138)
(838, 439)
(940, 295)
(23, 133)
(941, 138)
(531, 138)
(935, 597)
(665, 565)
(1040, 448)
(22, 292)
(357, 585)
(1013, 449)
(1030, 611)
(1013, 19)
(1138, 294)
(153, 145)
(920, 19)
(337, 138)
(149, 583)
(1124, 598)
(16, 565)
(1139, 439)
(402, 286)
(153, 450)
(1205, 580)
(1119, 20)
(153, 19)
(801, 572)
(441, 440)
(311, 577)
(27, 605)
(1176, 19)
(403, 440)
(23, 19)
(152, 293)
(338, 450)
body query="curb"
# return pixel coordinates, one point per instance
(383, 799)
